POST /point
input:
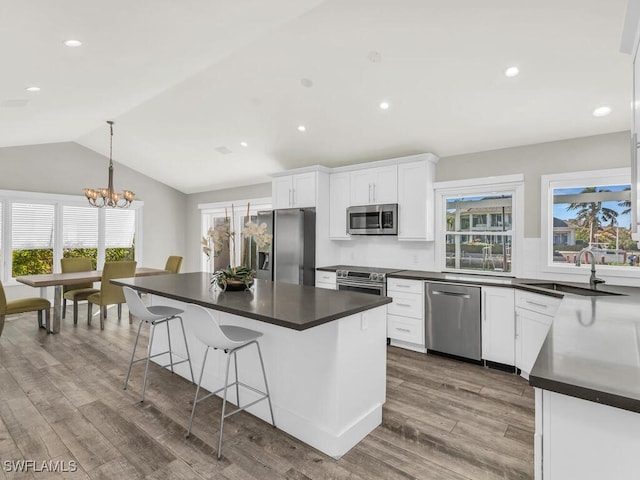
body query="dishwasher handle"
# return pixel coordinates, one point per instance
(451, 294)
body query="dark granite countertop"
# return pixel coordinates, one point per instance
(297, 307)
(592, 350)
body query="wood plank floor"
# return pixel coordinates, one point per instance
(61, 399)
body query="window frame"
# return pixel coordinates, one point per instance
(8, 197)
(511, 184)
(609, 176)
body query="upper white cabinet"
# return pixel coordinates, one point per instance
(374, 185)
(295, 191)
(498, 325)
(339, 199)
(415, 200)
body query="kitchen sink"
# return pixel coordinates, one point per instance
(561, 287)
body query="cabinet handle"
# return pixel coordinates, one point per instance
(293, 197)
(290, 197)
(403, 305)
(370, 194)
(374, 192)
(399, 285)
(484, 306)
(403, 330)
(537, 304)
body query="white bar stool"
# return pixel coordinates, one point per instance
(155, 315)
(230, 339)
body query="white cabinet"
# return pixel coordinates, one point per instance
(534, 315)
(294, 191)
(498, 325)
(339, 199)
(415, 200)
(405, 315)
(374, 185)
(326, 280)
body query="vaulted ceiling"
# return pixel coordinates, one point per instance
(186, 82)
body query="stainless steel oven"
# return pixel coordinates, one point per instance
(363, 279)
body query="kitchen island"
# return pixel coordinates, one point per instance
(324, 353)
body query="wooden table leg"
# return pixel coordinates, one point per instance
(57, 310)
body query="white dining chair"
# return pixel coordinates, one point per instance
(229, 339)
(154, 315)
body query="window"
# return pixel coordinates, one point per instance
(482, 241)
(236, 212)
(32, 238)
(38, 229)
(590, 210)
(478, 218)
(80, 232)
(120, 235)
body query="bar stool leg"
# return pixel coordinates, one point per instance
(235, 365)
(135, 346)
(169, 340)
(224, 405)
(146, 367)
(266, 386)
(186, 347)
(195, 400)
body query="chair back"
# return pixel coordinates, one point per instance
(205, 327)
(112, 294)
(3, 301)
(76, 264)
(136, 306)
(173, 264)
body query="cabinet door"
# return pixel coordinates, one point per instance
(326, 278)
(282, 192)
(531, 331)
(412, 201)
(385, 184)
(304, 190)
(338, 202)
(498, 325)
(362, 187)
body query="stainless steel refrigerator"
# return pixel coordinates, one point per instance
(292, 256)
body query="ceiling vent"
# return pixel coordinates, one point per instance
(223, 150)
(19, 102)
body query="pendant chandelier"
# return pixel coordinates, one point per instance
(106, 197)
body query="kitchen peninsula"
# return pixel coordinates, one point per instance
(324, 352)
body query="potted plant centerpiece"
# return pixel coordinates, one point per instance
(222, 236)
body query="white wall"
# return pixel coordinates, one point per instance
(67, 168)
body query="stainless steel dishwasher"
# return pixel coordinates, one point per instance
(453, 322)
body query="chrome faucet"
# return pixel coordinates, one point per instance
(593, 280)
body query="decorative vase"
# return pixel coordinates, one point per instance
(234, 285)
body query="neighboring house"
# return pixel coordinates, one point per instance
(564, 233)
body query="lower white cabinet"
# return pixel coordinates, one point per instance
(326, 280)
(405, 315)
(534, 316)
(498, 325)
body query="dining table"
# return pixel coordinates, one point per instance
(59, 280)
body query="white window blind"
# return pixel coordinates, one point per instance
(80, 227)
(120, 228)
(32, 226)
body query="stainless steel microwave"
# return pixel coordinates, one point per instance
(373, 219)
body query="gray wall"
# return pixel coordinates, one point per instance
(67, 168)
(194, 255)
(579, 154)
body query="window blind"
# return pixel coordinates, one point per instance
(79, 227)
(32, 226)
(120, 228)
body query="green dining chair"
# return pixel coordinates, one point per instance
(80, 291)
(173, 264)
(111, 294)
(22, 305)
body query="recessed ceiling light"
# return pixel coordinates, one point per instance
(384, 105)
(244, 144)
(302, 128)
(72, 43)
(306, 82)
(601, 111)
(33, 89)
(512, 71)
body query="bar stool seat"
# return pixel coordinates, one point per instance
(154, 315)
(229, 339)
